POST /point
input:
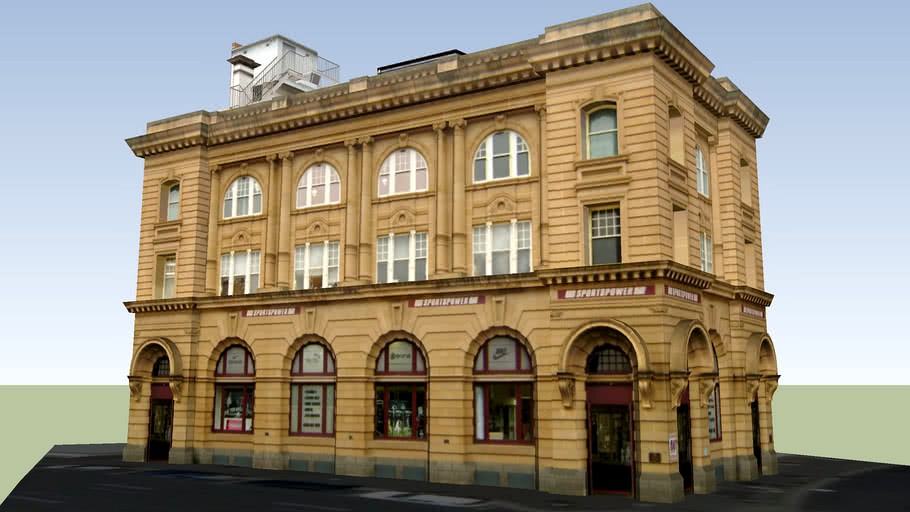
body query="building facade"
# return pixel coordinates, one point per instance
(536, 266)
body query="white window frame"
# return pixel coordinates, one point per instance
(701, 172)
(486, 233)
(173, 200)
(485, 152)
(413, 255)
(230, 273)
(330, 176)
(389, 168)
(302, 262)
(707, 253)
(232, 194)
(589, 134)
(616, 234)
(166, 275)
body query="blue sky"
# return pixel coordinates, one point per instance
(83, 76)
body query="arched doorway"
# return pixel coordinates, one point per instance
(161, 412)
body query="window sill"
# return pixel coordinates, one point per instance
(406, 195)
(167, 231)
(238, 220)
(601, 172)
(316, 209)
(232, 432)
(504, 442)
(501, 182)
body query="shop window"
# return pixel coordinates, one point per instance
(313, 391)
(243, 198)
(503, 410)
(605, 237)
(233, 411)
(401, 257)
(501, 155)
(503, 248)
(601, 131)
(608, 359)
(320, 184)
(239, 272)
(400, 407)
(316, 265)
(402, 172)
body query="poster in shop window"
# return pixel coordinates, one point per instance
(312, 409)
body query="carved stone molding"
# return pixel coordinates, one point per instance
(136, 390)
(402, 140)
(318, 153)
(271, 158)
(541, 110)
(176, 389)
(566, 381)
(458, 124)
(214, 168)
(678, 384)
(350, 143)
(440, 126)
(365, 141)
(645, 391)
(770, 387)
(752, 385)
(705, 388)
(287, 155)
(500, 121)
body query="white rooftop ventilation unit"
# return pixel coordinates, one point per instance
(277, 66)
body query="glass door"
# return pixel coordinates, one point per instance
(610, 448)
(160, 422)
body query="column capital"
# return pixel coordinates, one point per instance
(541, 110)
(439, 127)
(365, 140)
(350, 143)
(271, 158)
(214, 168)
(287, 155)
(458, 124)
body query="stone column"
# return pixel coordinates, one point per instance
(543, 238)
(272, 221)
(284, 225)
(366, 209)
(443, 213)
(768, 453)
(459, 209)
(211, 261)
(700, 388)
(351, 214)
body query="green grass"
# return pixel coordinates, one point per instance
(850, 422)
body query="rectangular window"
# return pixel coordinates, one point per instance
(701, 172)
(168, 277)
(233, 408)
(173, 202)
(399, 411)
(503, 248)
(401, 258)
(239, 272)
(313, 409)
(316, 265)
(503, 412)
(707, 254)
(604, 230)
(602, 132)
(714, 414)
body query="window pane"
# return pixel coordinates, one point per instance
(605, 250)
(421, 179)
(603, 145)
(502, 422)
(233, 409)
(334, 192)
(480, 170)
(524, 260)
(479, 410)
(168, 291)
(603, 120)
(382, 272)
(257, 204)
(172, 209)
(400, 271)
(501, 262)
(480, 239)
(400, 411)
(480, 264)
(316, 252)
(384, 185)
(420, 245)
(522, 164)
(239, 285)
(317, 194)
(401, 246)
(379, 412)
(295, 407)
(501, 235)
(242, 204)
(227, 207)
(421, 406)
(501, 166)
(235, 356)
(501, 354)
(402, 182)
(312, 408)
(524, 235)
(420, 269)
(382, 249)
(401, 355)
(298, 279)
(500, 143)
(330, 409)
(527, 411)
(313, 358)
(225, 285)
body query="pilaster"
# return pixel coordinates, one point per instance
(540, 192)
(211, 261)
(443, 202)
(459, 209)
(366, 209)
(284, 225)
(352, 214)
(271, 246)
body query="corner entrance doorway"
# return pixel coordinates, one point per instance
(756, 434)
(610, 439)
(161, 414)
(684, 431)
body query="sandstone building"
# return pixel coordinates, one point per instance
(537, 266)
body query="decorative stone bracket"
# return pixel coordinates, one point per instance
(566, 381)
(645, 391)
(678, 383)
(705, 387)
(770, 386)
(176, 389)
(135, 389)
(752, 384)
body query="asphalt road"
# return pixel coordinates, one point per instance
(82, 480)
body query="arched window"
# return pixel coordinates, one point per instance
(403, 171)
(320, 184)
(243, 197)
(234, 390)
(401, 392)
(313, 391)
(609, 359)
(601, 131)
(501, 155)
(170, 201)
(162, 367)
(714, 431)
(503, 410)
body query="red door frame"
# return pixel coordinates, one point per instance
(159, 392)
(610, 394)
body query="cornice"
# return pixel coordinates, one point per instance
(160, 305)
(627, 272)
(753, 295)
(724, 99)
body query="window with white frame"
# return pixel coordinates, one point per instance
(316, 265)
(701, 172)
(401, 257)
(320, 184)
(243, 197)
(503, 248)
(405, 170)
(605, 233)
(602, 131)
(239, 272)
(707, 253)
(168, 276)
(501, 155)
(173, 202)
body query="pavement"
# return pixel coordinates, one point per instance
(92, 477)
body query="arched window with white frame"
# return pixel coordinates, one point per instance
(319, 185)
(313, 391)
(503, 392)
(501, 155)
(243, 198)
(404, 171)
